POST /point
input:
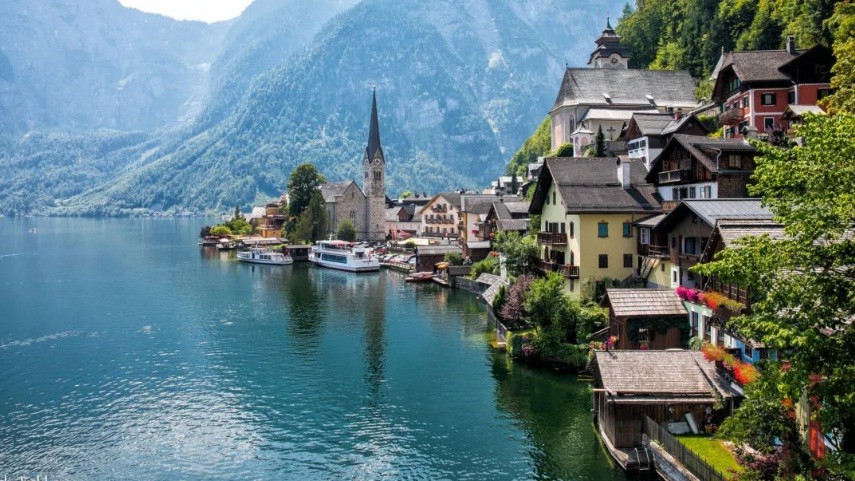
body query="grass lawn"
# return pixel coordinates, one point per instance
(713, 451)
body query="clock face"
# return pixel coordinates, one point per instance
(614, 60)
(376, 161)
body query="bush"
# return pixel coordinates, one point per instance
(490, 265)
(220, 230)
(410, 244)
(346, 231)
(564, 150)
(453, 258)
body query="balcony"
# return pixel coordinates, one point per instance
(570, 272)
(439, 209)
(732, 116)
(674, 176)
(659, 252)
(552, 238)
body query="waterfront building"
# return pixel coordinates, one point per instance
(440, 216)
(646, 318)
(664, 386)
(505, 217)
(755, 87)
(587, 208)
(606, 94)
(365, 207)
(648, 132)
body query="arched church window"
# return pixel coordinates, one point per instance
(353, 217)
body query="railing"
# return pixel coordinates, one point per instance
(732, 116)
(546, 266)
(671, 176)
(439, 208)
(552, 238)
(669, 205)
(694, 463)
(570, 272)
(660, 252)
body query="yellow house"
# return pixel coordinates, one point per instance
(588, 208)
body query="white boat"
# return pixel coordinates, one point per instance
(258, 255)
(344, 256)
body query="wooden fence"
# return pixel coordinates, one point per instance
(694, 463)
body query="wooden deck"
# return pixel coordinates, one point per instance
(632, 459)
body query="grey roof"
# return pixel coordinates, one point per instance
(591, 185)
(798, 111)
(681, 373)
(652, 123)
(490, 294)
(669, 88)
(731, 230)
(713, 210)
(651, 221)
(331, 190)
(518, 225)
(520, 207)
(488, 279)
(392, 214)
(758, 65)
(436, 250)
(478, 244)
(644, 302)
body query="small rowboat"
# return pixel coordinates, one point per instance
(419, 277)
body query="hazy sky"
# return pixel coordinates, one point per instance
(205, 10)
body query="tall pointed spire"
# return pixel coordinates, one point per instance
(374, 148)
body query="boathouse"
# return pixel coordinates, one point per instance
(661, 385)
(646, 318)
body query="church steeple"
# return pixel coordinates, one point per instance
(374, 148)
(609, 52)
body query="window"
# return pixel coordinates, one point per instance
(572, 226)
(694, 323)
(768, 123)
(627, 260)
(604, 261)
(706, 192)
(603, 229)
(353, 217)
(643, 335)
(767, 99)
(707, 327)
(553, 198)
(689, 245)
(627, 229)
(693, 193)
(745, 102)
(749, 352)
(675, 193)
(563, 227)
(547, 199)
(645, 235)
(822, 93)
(735, 161)
(791, 97)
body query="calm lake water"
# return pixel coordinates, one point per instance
(128, 352)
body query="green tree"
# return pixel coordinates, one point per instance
(537, 145)
(547, 303)
(515, 183)
(304, 182)
(564, 150)
(346, 231)
(220, 230)
(312, 223)
(453, 258)
(405, 194)
(804, 283)
(843, 81)
(522, 254)
(488, 265)
(600, 145)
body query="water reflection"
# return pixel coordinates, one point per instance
(306, 307)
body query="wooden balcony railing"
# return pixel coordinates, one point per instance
(552, 238)
(732, 116)
(570, 272)
(673, 176)
(659, 252)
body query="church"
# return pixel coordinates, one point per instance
(607, 92)
(365, 207)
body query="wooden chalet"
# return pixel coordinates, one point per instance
(662, 385)
(694, 167)
(646, 318)
(504, 216)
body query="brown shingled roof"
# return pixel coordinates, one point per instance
(644, 302)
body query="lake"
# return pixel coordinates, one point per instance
(129, 352)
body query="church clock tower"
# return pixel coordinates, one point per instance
(610, 53)
(374, 164)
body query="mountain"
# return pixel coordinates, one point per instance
(67, 65)
(459, 86)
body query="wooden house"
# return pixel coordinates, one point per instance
(662, 385)
(646, 318)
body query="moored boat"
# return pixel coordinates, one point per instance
(425, 276)
(344, 256)
(258, 255)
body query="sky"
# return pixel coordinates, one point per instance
(204, 10)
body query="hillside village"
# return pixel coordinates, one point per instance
(627, 232)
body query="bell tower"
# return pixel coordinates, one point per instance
(610, 53)
(374, 164)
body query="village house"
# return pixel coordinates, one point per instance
(693, 233)
(646, 318)
(664, 386)
(440, 217)
(505, 217)
(695, 167)
(606, 94)
(755, 87)
(473, 211)
(648, 132)
(268, 220)
(365, 207)
(587, 208)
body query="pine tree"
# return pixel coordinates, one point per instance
(600, 146)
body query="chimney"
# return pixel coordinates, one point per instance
(791, 45)
(623, 173)
(678, 114)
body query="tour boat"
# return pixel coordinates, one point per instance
(344, 256)
(258, 255)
